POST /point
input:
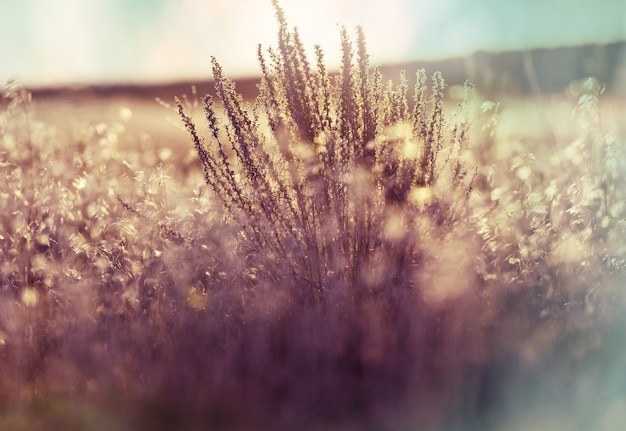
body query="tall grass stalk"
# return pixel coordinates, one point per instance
(322, 162)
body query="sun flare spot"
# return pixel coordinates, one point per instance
(197, 299)
(30, 297)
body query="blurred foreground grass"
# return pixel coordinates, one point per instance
(122, 287)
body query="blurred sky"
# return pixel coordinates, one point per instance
(48, 42)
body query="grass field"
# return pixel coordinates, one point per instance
(341, 256)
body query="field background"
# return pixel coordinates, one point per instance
(125, 171)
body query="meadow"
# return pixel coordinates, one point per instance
(336, 253)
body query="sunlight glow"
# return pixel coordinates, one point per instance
(70, 41)
(388, 27)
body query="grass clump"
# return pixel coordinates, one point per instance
(335, 187)
(321, 162)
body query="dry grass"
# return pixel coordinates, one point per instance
(344, 253)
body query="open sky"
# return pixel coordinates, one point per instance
(50, 42)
